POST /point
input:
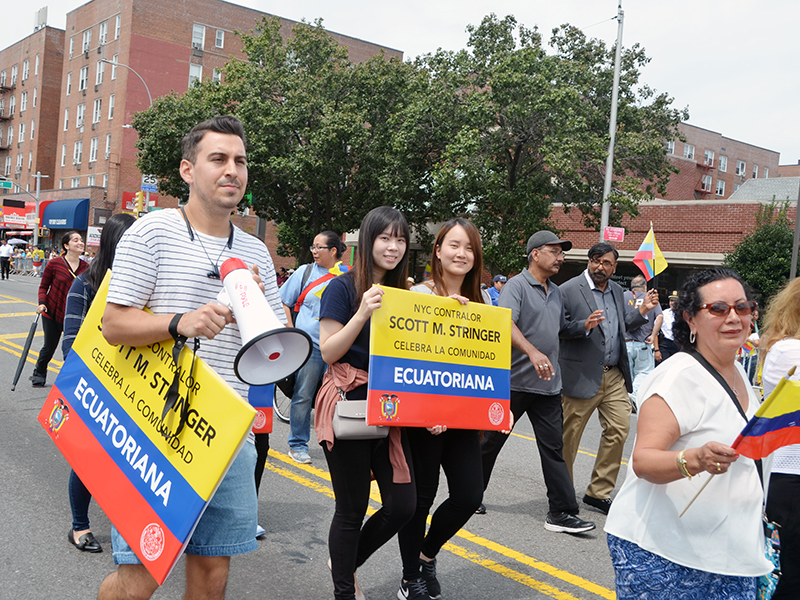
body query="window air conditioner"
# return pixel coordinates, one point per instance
(197, 45)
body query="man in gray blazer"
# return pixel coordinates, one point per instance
(594, 367)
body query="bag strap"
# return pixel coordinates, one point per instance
(301, 298)
(716, 374)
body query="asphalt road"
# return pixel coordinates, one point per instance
(506, 553)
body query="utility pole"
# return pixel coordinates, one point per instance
(36, 224)
(612, 126)
(793, 271)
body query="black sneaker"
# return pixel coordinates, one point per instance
(481, 510)
(413, 590)
(602, 505)
(566, 523)
(429, 575)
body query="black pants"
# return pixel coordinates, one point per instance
(52, 333)
(5, 267)
(458, 452)
(350, 463)
(783, 507)
(546, 416)
(668, 348)
(262, 449)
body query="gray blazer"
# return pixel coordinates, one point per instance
(581, 355)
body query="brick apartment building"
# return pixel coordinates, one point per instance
(92, 102)
(713, 166)
(30, 86)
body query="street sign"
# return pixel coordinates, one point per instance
(149, 183)
(6, 185)
(614, 234)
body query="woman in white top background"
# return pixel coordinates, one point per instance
(781, 343)
(456, 269)
(687, 421)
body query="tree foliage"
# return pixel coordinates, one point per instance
(764, 257)
(497, 132)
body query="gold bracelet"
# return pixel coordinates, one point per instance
(682, 467)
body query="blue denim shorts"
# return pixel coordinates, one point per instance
(228, 525)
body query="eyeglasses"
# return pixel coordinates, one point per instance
(555, 252)
(319, 248)
(721, 309)
(607, 264)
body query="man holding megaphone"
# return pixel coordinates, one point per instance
(169, 262)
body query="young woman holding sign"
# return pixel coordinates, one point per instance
(456, 265)
(345, 313)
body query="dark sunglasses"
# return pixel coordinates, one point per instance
(721, 309)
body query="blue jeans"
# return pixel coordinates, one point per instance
(305, 388)
(641, 361)
(79, 498)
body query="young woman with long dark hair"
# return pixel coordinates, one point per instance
(456, 268)
(347, 306)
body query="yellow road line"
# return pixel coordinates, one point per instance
(14, 299)
(16, 350)
(565, 576)
(25, 314)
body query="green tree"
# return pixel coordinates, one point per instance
(764, 256)
(536, 132)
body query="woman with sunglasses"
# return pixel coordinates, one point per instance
(687, 421)
(344, 330)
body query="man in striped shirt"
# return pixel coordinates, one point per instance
(169, 263)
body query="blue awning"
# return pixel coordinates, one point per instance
(67, 214)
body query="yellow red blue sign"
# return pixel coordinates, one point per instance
(435, 361)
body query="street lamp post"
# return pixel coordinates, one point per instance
(116, 64)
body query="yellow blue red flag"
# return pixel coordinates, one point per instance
(775, 424)
(649, 258)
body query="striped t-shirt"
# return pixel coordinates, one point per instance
(158, 266)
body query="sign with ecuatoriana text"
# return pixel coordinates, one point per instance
(104, 414)
(435, 361)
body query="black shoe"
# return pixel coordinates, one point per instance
(86, 543)
(428, 571)
(481, 510)
(413, 590)
(38, 381)
(567, 523)
(602, 505)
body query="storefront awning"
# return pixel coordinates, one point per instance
(67, 214)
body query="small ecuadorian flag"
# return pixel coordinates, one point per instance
(775, 424)
(339, 268)
(649, 258)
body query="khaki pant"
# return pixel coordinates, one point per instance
(614, 411)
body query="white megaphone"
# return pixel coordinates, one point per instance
(270, 352)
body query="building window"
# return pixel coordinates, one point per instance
(195, 73)
(101, 67)
(706, 183)
(26, 69)
(21, 137)
(670, 147)
(217, 76)
(766, 172)
(219, 42)
(720, 187)
(93, 150)
(198, 36)
(741, 167)
(23, 102)
(2, 78)
(33, 127)
(77, 153)
(69, 83)
(87, 40)
(63, 154)
(2, 110)
(111, 106)
(101, 38)
(71, 46)
(83, 82)
(98, 110)
(688, 151)
(708, 158)
(736, 187)
(117, 26)
(66, 118)
(114, 67)
(19, 163)
(105, 181)
(34, 97)
(36, 65)
(80, 116)
(108, 146)
(7, 170)
(90, 181)
(14, 75)
(12, 106)
(76, 182)
(755, 170)
(30, 160)
(723, 164)
(10, 139)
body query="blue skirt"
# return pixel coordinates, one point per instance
(642, 575)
